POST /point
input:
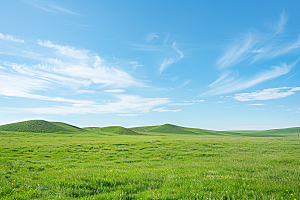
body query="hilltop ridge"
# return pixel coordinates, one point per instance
(42, 126)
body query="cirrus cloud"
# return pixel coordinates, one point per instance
(267, 94)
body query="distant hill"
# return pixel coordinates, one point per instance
(142, 128)
(113, 129)
(42, 126)
(37, 126)
(170, 128)
(285, 132)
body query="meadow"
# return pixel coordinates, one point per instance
(97, 165)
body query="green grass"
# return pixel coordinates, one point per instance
(153, 162)
(89, 165)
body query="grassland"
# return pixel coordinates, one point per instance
(94, 164)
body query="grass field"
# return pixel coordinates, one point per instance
(93, 164)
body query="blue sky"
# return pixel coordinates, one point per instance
(218, 65)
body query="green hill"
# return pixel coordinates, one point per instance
(119, 130)
(35, 126)
(142, 128)
(170, 128)
(285, 132)
(211, 132)
(68, 127)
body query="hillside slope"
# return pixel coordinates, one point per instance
(68, 127)
(35, 126)
(170, 128)
(112, 129)
(285, 132)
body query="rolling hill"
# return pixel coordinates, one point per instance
(170, 128)
(285, 132)
(112, 129)
(40, 126)
(119, 130)
(174, 129)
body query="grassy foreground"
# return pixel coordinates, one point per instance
(91, 165)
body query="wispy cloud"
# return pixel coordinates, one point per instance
(163, 109)
(22, 86)
(241, 84)
(71, 72)
(115, 91)
(11, 38)
(82, 65)
(237, 52)
(168, 50)
(254, 46)
(249, 49)
(151, 36)
(279, 26)
(168, 61)
(132, 104)
(257, 104)
(48, 6)
(267, 94)
(181, 104)
(184, 84)
(128, 115)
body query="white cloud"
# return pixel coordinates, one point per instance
(168, 61)
(2, 67)
(85, 91)
(19, 86)
(70, 71)
(75, 68)
(67, 51)
(226, 77)
(198, 100)
(181, 104)
(47, 72)
(164, 110)
(127, 115)
(241, 84)
(257, 104)
(184, 84)
(280, 25)
(11, 38)
(126, 104)
(267, 94)
(247, 50)
(254, 46)
(115, 91)
(237, 52)
(151, 36)
(135, 66)
(258, 51)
